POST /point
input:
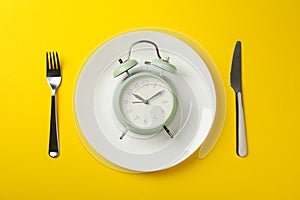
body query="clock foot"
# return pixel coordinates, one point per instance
(168, 131)
(123, 134)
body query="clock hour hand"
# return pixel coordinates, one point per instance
(155, 95)
(137, 102)
(140, 98)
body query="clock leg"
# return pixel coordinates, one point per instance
(168, 131)
(123, 133)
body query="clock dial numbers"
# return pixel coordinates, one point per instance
(135, 85)
(145, 82)
(129, 92)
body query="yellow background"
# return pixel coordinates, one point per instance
(269, 31)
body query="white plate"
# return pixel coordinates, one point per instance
(94, 111)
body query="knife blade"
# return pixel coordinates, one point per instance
(236, 84)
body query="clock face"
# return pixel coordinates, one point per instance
(146, 102)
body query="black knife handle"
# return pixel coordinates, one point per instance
(53, 141)
(241, 139)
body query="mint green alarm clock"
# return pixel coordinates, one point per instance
(145, 102)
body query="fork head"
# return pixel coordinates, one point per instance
(52, 64)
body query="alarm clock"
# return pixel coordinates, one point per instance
(145, 101)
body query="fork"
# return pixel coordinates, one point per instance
(54, 80)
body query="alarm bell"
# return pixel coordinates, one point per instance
(126, 65)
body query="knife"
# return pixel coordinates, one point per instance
(236, 84)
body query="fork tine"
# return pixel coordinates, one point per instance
(54, 61)
(47, 61)
(51, 60)
(57, 60)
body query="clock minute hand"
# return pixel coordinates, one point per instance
(140, 98)
(155, 95)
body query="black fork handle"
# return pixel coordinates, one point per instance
(53, 141)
